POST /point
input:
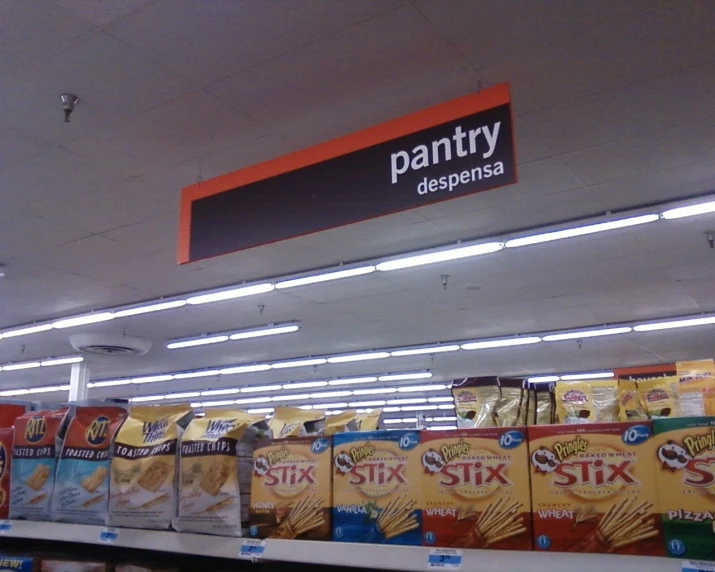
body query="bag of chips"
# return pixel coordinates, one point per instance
(696, 388)
(475, 401)
(659, 396)
(341, 422)
(369, 421)
(512, 404)
(296, 422)
(630, 407)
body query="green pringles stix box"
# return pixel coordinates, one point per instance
(686, 485)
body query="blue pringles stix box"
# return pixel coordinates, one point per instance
(10, 563)
(376, 487)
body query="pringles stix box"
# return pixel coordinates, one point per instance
(377, 482)
(33, 463)
(475, 489)
(592, 488)
(290, 489)
(686, 484)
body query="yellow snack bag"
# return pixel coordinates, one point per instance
(574, 402)
(296, 422)
(512, 404)
(659, 396)
(340, 423)
(475, 401)
(630, 407)
(368, 421)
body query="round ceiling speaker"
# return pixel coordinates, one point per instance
(110, 344)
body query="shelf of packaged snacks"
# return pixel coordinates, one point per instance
(376, 556)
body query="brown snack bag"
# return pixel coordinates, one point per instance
(475, 400)
(659, 396)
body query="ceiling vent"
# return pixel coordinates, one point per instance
(110, 344)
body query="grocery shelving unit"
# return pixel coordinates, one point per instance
(374, 556)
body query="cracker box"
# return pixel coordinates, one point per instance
(143, 489)
(82, 485)
(592, 488)
(6, 439)
(290, 489)
(32, 479)
(475, 491)
(685, 450)
(377, 487)
(18, 563)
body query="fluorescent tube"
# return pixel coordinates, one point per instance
(196, 342)
(440, 399)
(149, 308)
(183, 395)
(403, 376)
(351, 380)
(245, 369)
(441, 427)
(231, 294)
(257, 388)
(216, 403)
(305, 385)
(46, 389)
(426, 350)
(17, 366)
(261, 410)
(299, 363)
(419, 408)
(265, 332)
(587, 375)
(251, 400)
(581, 230)
(586, 334)
(194, 374)
(230, 391)
(446, 406)
(61, 361)
(543, 379)
(152, 378)
(440, 256)
(329, 394)
(147, 398)
(110, 383)
(82, 320)
(324, 277)
(501, 343)
(675, 324)
(680, 212)
(28, 330)
(13, 392)
(376, 391)
(358, 357)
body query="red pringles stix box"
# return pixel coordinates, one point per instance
(593, 488)
(475, 488)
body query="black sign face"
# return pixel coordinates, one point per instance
(467, 155)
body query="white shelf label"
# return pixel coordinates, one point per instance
(252, 549)
(5, 526)
(445, 558)
(698, 566)
(108, 535)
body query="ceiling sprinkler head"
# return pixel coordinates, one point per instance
(68, 103)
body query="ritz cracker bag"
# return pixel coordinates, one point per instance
(685, 449)
(34, 459)
(143, 489)
(290, 490)
(592, 488)
(82, 483)
(475, 489)
(210, 493)
(377, 487)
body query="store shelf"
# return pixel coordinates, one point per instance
(341, 554)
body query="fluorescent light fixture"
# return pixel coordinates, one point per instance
(205, 341)
(441, 399)
(185, 395)
(290, 397)
(351, 380)
(195, 374)
(335, 412)
(450, 406)
(231, 294)
(110, 383)
(409, 388)
(261, 410)
(46, 389)
(231, 391)
(274, 331)
(147, 398)
(358, 357)
(251, 400)
(329, 394)
(367, 403)
(61, 361)
(390, 409)
(217, 403)
(441, 419)
(581, 230)
(299, 363)
(329, 405)
(419, 408)
(152, 378)
(326, 276)
(305, 385)
(587, 334)
(687, 323)
(245, 369)
(501, 343)
(441, 427)
(256, 388)
(407, 401)
(680, 212)
(375, 391)
(587, 375)
(404, 376)
(404, 420)
(440, 256)
(28, 330)
(543, 379)
(17, 366)
(149, 308)
(426, 350)
(13, 392)
(83, 320)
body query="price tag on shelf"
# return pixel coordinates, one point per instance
(445, 558)
(5, 526)
(108, 535)
(252, 549)
(698, 566)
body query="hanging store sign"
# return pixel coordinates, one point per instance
(453, 149)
